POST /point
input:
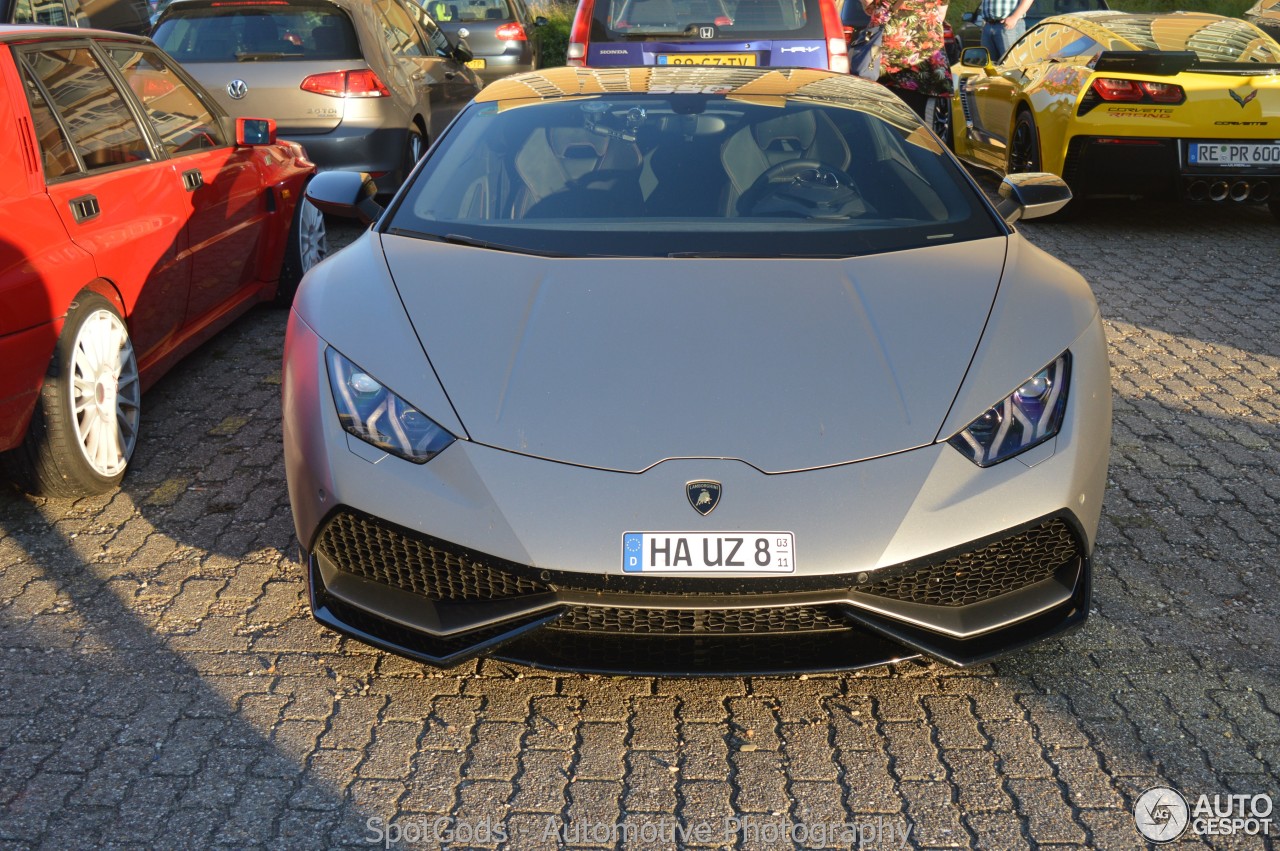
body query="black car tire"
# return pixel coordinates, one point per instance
(415, 145)
(308, 244)
(1024, 156)
(53, 460)
(1024, 145)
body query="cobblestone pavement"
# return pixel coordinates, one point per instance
(162, 685)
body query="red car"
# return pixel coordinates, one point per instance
(136, 220)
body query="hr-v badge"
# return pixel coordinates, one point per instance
(703, 496)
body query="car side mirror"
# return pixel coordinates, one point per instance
(350, 194)
(1030, 195)
(462, 51)
(255, 131)
(540, 21)
(975, 57)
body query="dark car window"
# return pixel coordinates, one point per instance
(398, 30)
(48, 12)
(1076, 44)
(1045, 8)
(436, 39)
(623, 20)
(634, 175)
(247, 33)
(103, 129)
(55, 151)
(480, 10)
(1050, 41)
(180, 118)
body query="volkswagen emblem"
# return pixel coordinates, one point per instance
(706, 32)
(237, 89)
(703, 496)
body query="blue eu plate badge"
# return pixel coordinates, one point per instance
(632, 543)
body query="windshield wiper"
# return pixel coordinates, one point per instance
(743, 255)
(263, 57)
(459, 239)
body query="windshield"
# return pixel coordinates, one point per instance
(468, 11)
(623, 20)
(245, 33)
(692, 175)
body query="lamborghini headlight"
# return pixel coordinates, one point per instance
(1025, 418)
(374, 414)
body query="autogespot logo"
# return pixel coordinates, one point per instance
(1161, 814)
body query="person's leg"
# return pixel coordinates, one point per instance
(992, 40)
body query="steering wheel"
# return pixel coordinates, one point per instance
(804, 188)
(805, 171)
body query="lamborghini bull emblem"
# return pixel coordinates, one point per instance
(1243, 100)
(703, 496)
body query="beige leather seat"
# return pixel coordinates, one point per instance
(756, 148)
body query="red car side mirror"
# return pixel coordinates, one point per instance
(255, 131)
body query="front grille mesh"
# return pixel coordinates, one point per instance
(764, 621)
(372, 549)
(1006, 565)
(434, 570)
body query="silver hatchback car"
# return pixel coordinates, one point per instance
(364, 85)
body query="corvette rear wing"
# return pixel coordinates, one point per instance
(1163, 63)
(1167, 63)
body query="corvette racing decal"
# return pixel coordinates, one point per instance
(1139, 112)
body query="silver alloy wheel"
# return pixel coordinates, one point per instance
(942, 121)
(105, 393)
(313, 241)
(416, 148)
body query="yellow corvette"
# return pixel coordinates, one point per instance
(1176, 105)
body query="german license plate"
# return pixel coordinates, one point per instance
(706, 59)
(686, 552)
(1234, 153)
(475, 63)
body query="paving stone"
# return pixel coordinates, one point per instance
(600, 752)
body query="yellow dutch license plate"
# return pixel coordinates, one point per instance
(706, 59)
(477, 64)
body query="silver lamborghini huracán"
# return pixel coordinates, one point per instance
(695, 370)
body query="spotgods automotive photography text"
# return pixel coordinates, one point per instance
(872, 832)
